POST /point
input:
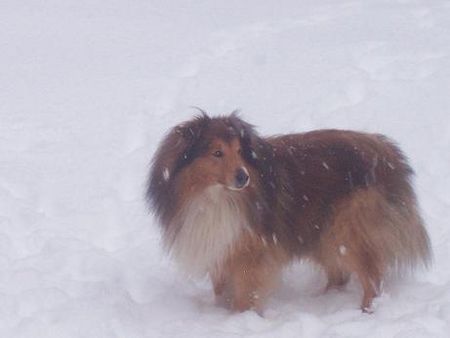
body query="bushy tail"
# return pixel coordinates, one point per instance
(372, 237)
(381, 235)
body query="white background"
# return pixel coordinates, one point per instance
(88, 89)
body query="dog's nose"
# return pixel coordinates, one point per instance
(241, 178)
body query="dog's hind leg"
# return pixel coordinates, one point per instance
(337, 278)
(327, 256)
(358, 241)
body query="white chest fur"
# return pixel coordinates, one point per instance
(209, 225)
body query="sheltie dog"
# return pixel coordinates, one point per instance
(238, 207)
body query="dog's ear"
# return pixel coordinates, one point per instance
(255, 149)
(177, 149)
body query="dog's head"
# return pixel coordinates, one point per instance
(204, 152)
(220, 161)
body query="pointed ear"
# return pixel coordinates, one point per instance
(255, 148)
(256, 151)
(177, 149)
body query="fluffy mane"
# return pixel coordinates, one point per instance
(186, 141)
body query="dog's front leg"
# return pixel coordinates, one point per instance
(254, 273)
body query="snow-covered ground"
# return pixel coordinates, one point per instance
(87, 90)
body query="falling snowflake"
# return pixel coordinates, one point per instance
(166, 174)
(254, 295)
(263, 240)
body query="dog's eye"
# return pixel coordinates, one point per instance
(239, 151)
(218, 153)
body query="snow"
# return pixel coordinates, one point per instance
(89, 88)
(274, 238)
(342, 250)
(166, 174)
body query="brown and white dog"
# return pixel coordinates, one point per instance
(239, 207)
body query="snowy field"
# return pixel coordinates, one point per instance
(88, 89)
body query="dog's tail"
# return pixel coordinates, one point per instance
(381, 236)
(372, 237)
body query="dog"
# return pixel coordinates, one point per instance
(238, 207)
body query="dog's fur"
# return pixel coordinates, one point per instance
(340, 198)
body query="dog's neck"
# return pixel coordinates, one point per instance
(206, 229)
